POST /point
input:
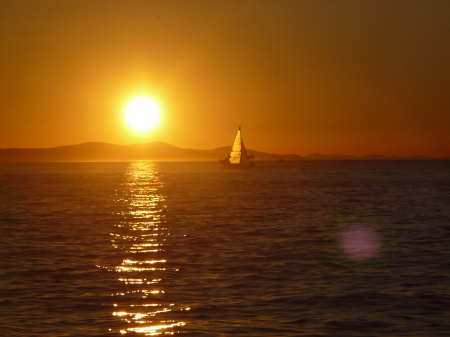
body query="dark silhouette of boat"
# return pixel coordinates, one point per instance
(238, 158)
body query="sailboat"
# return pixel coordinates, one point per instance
(238, 158)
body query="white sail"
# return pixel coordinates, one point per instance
(238, 153)
(235, 155)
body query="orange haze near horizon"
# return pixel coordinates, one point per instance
(349, 77)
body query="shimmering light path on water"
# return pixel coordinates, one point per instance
(285, 249)
(142, 235)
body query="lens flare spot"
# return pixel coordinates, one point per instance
(359, 242)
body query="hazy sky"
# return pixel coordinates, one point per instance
(350, 77)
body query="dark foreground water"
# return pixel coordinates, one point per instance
(285, 249)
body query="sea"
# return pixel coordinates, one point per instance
(306, 248)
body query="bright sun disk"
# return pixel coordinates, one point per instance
(142, 114)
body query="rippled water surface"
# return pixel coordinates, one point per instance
(285, 249)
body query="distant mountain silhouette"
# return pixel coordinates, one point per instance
(110, 152)
(317, 156)
(95, 151)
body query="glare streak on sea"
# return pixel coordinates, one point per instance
(310, 248)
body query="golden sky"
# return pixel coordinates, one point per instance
(350, 77)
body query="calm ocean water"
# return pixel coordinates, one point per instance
(285, 249)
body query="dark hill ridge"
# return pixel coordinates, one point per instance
(96, 151)
(318, 156)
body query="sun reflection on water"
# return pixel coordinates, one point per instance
(141, 236)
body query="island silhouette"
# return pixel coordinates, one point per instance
(159, 151)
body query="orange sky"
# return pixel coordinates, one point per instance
(350, 77)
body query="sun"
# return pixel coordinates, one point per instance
(142, 114)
